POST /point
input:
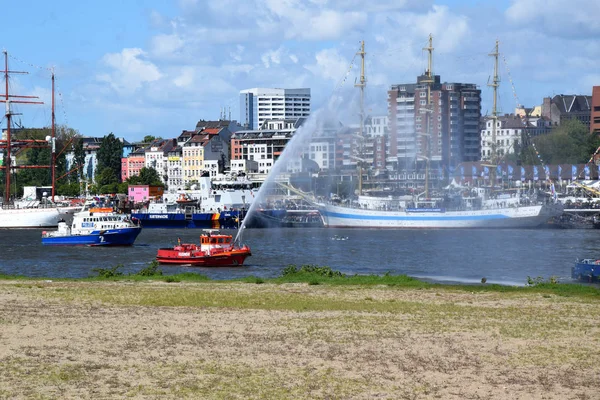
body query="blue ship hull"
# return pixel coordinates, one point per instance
(110, 237)
(586, 270)
(224, 220)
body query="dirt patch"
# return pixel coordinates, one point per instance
(57, 340)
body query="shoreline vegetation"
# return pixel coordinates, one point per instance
(312, 333)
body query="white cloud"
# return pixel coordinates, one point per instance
(130, 70)
(571, 19)
(166, 45)
(272, 57)
(329, 65)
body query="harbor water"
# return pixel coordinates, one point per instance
(501, 256)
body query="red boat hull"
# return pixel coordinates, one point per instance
(176, 256)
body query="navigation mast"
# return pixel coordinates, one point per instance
(495, 83)
(361, 85)
(428, 110)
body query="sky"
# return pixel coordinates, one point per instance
(156, 67)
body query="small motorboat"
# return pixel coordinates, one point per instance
(215, 250)
(586, 270)
(336, 237)
(95, 226)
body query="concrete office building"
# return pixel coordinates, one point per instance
(258, 105)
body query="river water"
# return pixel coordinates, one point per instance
(501, 256)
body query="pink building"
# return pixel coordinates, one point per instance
(143, 193)
(131, 166)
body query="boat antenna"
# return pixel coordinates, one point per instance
(361, 85)
(495, 83)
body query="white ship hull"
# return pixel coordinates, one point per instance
(510, 217)
(34, 217)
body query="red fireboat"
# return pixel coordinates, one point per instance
(215, 250)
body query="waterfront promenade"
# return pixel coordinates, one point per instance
(223, 340)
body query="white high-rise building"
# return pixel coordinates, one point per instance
(258, 105)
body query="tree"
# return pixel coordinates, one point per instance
(109, 156)
(147, 176)
(569, 143)
(150, 139)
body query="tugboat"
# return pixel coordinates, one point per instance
(96, 226)
(215, 250)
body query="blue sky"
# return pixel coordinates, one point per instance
(152, 67)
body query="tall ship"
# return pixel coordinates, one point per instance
(458, 208)
(477, 211)
(27, 213)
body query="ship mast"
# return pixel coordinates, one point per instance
(428, 111)
(8, 100)
(495, 83)
(53, 144)
(361, 85)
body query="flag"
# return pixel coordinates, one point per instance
(499, 170)
(559, 173)
(510, 171)
(473, 171)
(535, 173)
(547, 171)
(486, 173)
(586, 170)
(553, 191)
(522, 173)
(573, 172)
(462, 172)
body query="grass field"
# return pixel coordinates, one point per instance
(306, 335)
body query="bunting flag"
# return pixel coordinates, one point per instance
(510, 171)
(573, 172)
(560, 173)
(535, 173)
(586, 170)
(522, 173)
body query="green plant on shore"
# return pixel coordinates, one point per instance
(553, 280)
(311, 269)
(150, 270)
(109, 272)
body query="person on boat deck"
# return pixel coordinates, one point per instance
(178, 241)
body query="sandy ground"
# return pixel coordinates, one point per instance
(86, 340)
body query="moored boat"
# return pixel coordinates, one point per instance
(215, 250)
(476, 209)
(94, 227)
(586, 270)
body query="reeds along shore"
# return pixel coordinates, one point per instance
(169, 337)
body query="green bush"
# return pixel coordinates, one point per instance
(109, 272)
(311, 269)
(151, 270)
